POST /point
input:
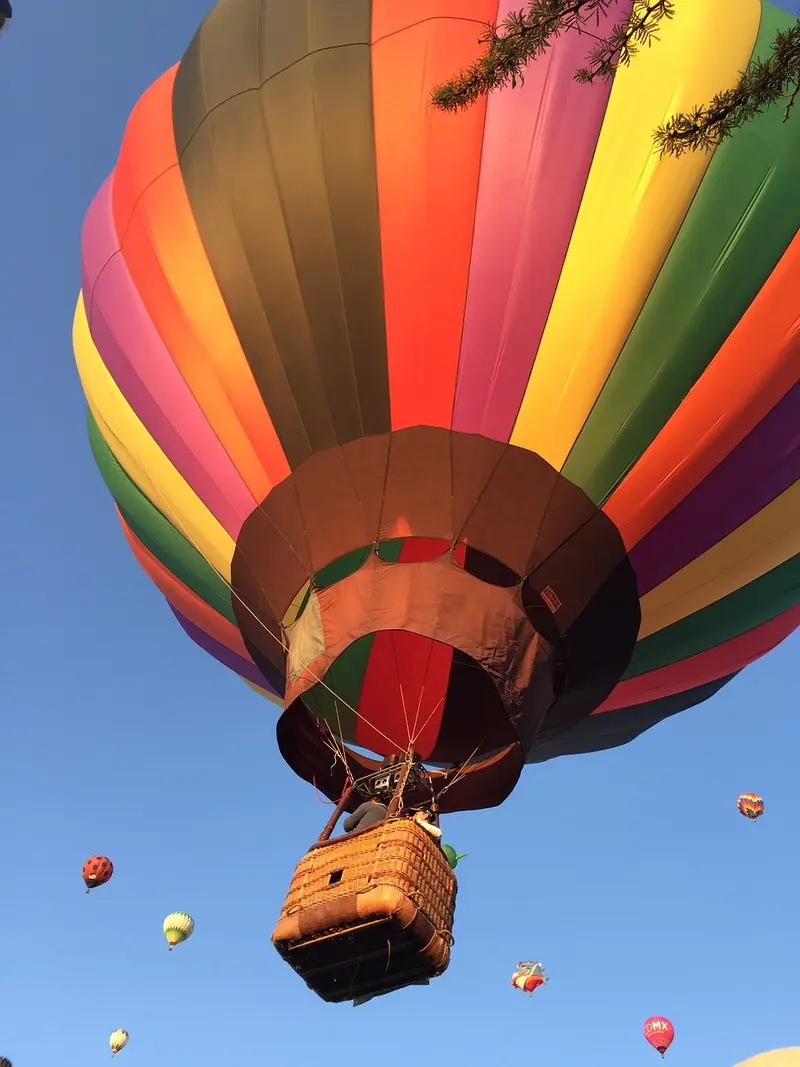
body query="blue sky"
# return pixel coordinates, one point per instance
(628, 873)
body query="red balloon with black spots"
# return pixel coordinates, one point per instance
(96, 871)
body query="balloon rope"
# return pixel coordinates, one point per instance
(338, 746)
(421, 730)
(462, 772)
(232, 591)
(317, 680)
(400, 686)
(415, 732)
(332, 746)
(320, 798)
(418, 732)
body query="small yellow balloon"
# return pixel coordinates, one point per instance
(118, 1040)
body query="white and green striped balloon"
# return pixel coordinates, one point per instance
(178, 927)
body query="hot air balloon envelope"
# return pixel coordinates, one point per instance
(474, 433)
(751, 805)
(528, 976)
(659, 1033)
(118, 1040)
(96, 871)
(177, 927)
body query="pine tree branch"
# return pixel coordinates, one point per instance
(625, 40)
(526, 35)
(765, 82)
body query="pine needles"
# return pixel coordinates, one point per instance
(765, 82)
(526, 34)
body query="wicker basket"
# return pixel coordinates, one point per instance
(369, 913)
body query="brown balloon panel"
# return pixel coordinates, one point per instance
(436, 588)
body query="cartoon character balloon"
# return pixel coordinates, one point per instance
(452, 856)
(528, 976)
(475, 432)
(96, 871)
(659, 1032)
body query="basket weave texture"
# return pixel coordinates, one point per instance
(395, 853)
(369, 912)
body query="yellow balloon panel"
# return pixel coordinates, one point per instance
(779, 1057)
(768, 539)
(271, 697)
(632, 208)
(141, 458)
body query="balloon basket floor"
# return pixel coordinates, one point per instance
(369, 913)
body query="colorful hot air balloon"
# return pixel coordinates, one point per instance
(751, 805)
(475, 430)
(96, 871)
(118, 1040)
(659, 1032)
(528, 976)
(177, 927)
(5, 16)
(5, 1062)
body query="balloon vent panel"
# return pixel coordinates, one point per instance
(369, 913)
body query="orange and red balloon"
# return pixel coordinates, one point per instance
(751, 805)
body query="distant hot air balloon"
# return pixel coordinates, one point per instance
(528, 976)
(452, 856)
(5, 16)
(118, 1040)
(96, 871)
(659, 1032)
(751, 805)
(5, 1062)
(178, 927)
